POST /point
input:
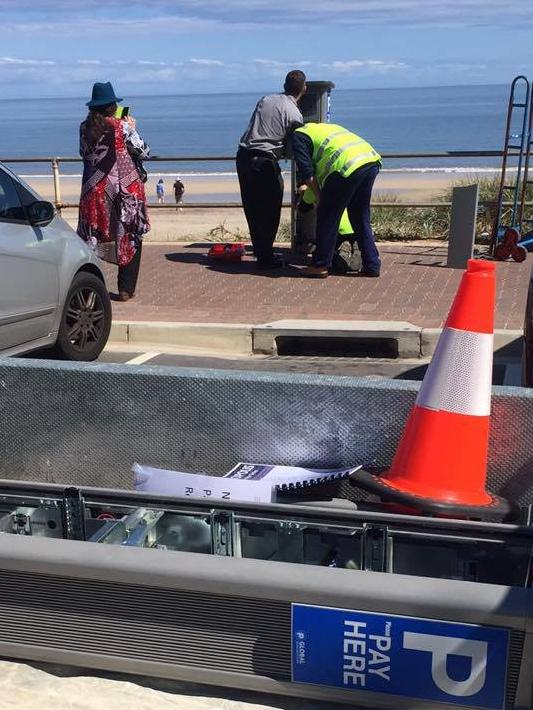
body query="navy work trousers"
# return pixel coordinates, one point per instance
(352, 193)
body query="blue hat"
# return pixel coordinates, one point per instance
(103, 95)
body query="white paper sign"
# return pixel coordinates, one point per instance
(199, 486)
(255, 483)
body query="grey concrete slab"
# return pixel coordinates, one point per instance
(267, 337)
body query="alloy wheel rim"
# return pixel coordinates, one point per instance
(85, 318)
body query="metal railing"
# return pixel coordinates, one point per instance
(55, 163)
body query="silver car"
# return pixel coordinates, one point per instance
(52, 289)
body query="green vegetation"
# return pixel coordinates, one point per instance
(391, 223)
(396, 223)
(406, 223)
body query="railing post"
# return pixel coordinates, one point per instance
(293, 210)
(57, 185)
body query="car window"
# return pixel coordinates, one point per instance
(11, 209)
(26, 196)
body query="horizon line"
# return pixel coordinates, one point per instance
(255, 93)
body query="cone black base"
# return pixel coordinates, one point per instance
(497, 509)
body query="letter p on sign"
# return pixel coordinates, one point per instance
(440, 648)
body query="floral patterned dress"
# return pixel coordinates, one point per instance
(113, 218)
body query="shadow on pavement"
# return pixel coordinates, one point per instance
(415, 373)
(242, 268)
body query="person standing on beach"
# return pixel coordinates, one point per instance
(340, 167)
(262, 145)
(160, 191)
(179, 189)
(112, 216)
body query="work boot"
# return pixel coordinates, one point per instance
(368, 272)
(314, 272)
(275, 262)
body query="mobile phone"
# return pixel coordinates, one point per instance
(122, 111)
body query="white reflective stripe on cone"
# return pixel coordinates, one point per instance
(459, 376)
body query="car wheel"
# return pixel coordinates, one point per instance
(86, 319)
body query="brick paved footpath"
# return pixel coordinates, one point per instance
(179, 283)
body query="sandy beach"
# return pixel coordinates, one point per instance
(199, 222)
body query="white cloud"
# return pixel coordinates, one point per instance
(110, 27)
(11, 61)
(66, 18)
(150, 63)
(411, 12)
(277, 64)
(352, 65)
(207, 62)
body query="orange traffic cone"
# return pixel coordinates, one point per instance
(441, 462)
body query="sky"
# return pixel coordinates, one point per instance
(146, 47)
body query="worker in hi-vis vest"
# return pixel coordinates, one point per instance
(346, 259)
(340, 167)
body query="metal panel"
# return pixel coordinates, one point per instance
(84, 604)
(462, 225)
(86, 425)
(209, 631)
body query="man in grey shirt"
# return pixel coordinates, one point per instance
(264, 143)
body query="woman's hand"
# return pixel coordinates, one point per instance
(131, 121)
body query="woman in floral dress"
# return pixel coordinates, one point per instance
(113, 218)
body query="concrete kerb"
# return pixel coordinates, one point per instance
(247, 339)
(230, 338)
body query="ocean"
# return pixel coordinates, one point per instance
(393, 120)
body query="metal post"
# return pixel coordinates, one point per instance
(293, 207)
(57, 185)
(462, 225)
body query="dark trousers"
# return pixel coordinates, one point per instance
(128, 275)
(261, 186)
(352, 193)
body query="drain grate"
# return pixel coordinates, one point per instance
(315, 346)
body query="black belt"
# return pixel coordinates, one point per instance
(253, 152)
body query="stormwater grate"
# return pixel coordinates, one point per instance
(316, 346)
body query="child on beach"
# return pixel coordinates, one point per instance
(160, 191)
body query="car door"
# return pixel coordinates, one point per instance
(29, 272)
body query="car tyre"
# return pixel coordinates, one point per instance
(86, 319)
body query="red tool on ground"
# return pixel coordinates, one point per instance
(229, 253)
(440, 465)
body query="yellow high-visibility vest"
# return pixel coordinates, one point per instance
(337, 150)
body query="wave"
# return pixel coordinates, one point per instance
(469, 170)
(216, 174)
(151, 174)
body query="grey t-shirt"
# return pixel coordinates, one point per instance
(274, 119)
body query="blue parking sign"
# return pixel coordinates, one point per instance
(461, 664)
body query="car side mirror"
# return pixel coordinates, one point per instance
(40, 213)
